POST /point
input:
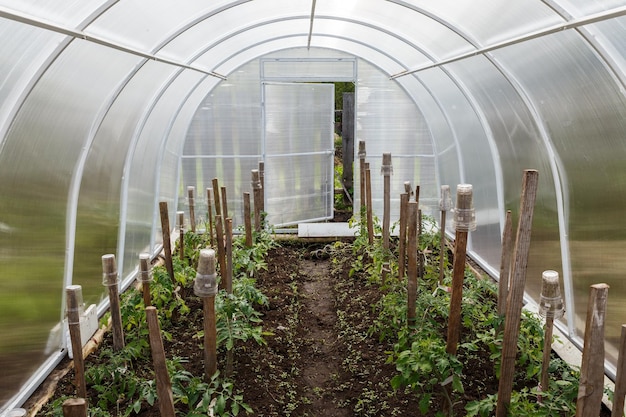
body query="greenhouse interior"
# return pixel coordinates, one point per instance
(109, 107)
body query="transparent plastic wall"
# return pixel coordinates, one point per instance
(390, 122)
(584, 111)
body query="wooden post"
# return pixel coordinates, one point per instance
(181, 239)
(404, 207)
(505, 263)
(412, 265)
(144, 278)
(229, 255)
(192, 208)
(363, 196)
(347, 143)
(262, 181)
(620, 377)
(74, 407)
(74, 296)
(551, 307)
(217, 201)
(445, 204)
(247, 221)
(591, 385)
(369, 213)
(164, 387)
(516, 292)
(464, 222)
(167, 243)
(386, 170)
(205, 286)
(110, 279)
(257, 189)
(221, 255)
(209, 191)
(224, 204)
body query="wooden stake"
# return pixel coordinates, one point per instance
(224, 204)
(516, 292)
(363, 196)
(181, 239)
(73, 293)
(144, 276)
(591, 385)
(209, 191)
(404, 207)
(167, 244)
(258, 199)
(164, 387)
(221, 249)
(505, 264)
(109, 270)
(412, 264)
(246, 219)
(464, 196)
(620, 377)
(386, 170)
(218, 203)
(192, 209)
(229, 255)
(369, 212)
(445, 204)
(74, 407)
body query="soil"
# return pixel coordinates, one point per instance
(318, 361)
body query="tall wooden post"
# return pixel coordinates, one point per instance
(181, 239)
(205, 286)
(229, 255)
(247, 221)
(224, 204)
(590, 388)
(347, 142)
(505, 263)
(516, 292)
(257, 189)
(145, 278)
(164, 386)
(412, 264)
(404, 207)
(221, 249)
(620, 377)
(363, 195)
(74, 299)
(167, 242)
(192, 207)
(209, 197)
(386, 169)
(110, 280)
(445, 204)
(369, 212)
(218, 201)
(464, 221)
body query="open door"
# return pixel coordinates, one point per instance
(298, 152)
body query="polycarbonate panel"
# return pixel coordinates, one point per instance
(610, 35)
(71, 13)
(476, 156)
(298, 142)
(584, 111)
(413, 27)
(308, 69)
(147, 24)
(587, 7)
(37, 163)
(224, 140)
(388, 121)
(520, 147)
(145, 167)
